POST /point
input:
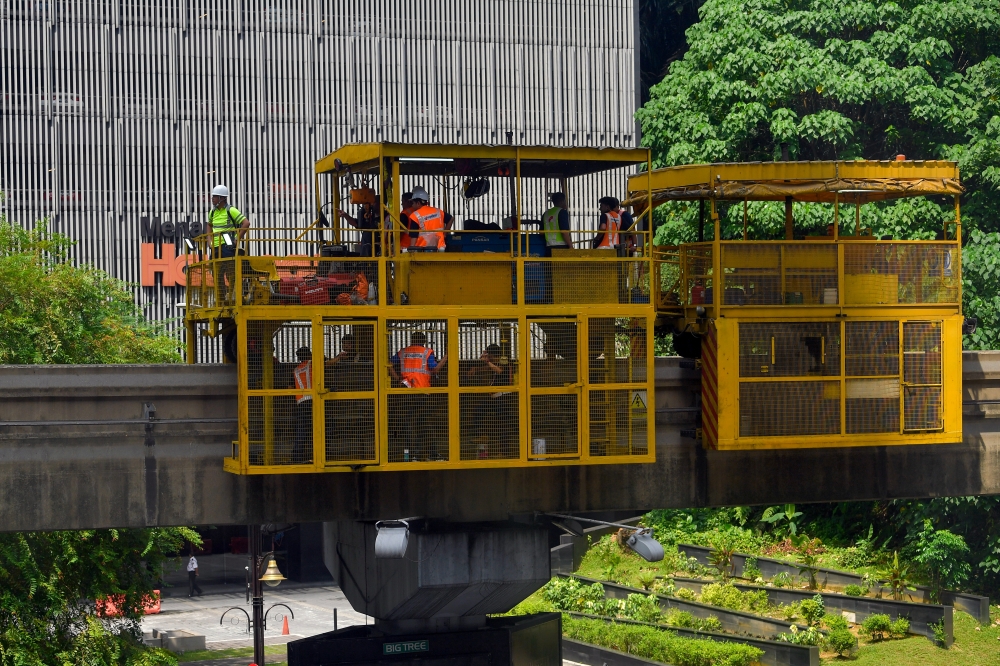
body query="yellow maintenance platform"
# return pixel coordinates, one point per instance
(532, 360)
(841, 339)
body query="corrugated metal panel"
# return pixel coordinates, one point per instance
(111, 110)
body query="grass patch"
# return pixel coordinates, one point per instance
(658, 645)
(971, 648)
(205, 655)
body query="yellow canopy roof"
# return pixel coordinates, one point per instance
(858, 181)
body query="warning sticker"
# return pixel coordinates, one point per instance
(638, 400)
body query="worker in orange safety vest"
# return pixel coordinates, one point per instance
(414, 367)
(610, 225)
(426, 223)
(303, 379)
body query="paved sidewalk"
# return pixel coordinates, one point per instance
(312, 608)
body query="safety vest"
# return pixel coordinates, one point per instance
(550, 224)
(303, 380)
(413, 366)
(431, 223)
(224, 222)
(614, 223)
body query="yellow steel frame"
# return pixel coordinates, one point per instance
(820, 182)
(220, 294)
(729, 381)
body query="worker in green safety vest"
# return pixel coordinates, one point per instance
(555, 224)
(226, 225)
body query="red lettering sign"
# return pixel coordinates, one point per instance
(171, 268)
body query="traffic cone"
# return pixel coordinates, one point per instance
(284, 627)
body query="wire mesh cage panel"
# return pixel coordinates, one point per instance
(697, 267)
(280, 430)
(770, 409)
(350, 430)
(620, 281)
(901, 273)
(554, 372)
(553, 352)
(618, 422)
(418, 427)
(922, 357)
(752, 273)
(616, 350)
(786, 349)
(871, 361)
(349, 406)
(872, 348)
(275, 349)
(554, 425)
(417, 403)
(667, 276)
(489, 410)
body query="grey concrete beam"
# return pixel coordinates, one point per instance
(99, 467)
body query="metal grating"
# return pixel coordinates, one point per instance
(922, 358)
(772, 409)
(697, 272)
(554, 429)
(904, 273)
(618, 422)
(616, 350)
(553, 352)
(772, 274)
(787, 349)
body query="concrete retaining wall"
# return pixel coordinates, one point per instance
(975, 605)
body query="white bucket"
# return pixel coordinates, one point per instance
(538, 446)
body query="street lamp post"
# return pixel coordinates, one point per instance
(257, 575)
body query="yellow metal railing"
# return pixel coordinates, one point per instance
(809, 273)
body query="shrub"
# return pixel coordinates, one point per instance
(642, 608)
(855, 591)
(790, 611)
(710, 623)
(939, 633)
(810, 636)
(876, 627)
(943, 557)
(834, 622)
(684, 593)
(841, 641)
(569, 594)
(899, 628)
(676, 618)
(659, 645)
(781, 579)
(750, 570)
(813, 609)
(728, 596)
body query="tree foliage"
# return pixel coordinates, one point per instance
(50, 584)
(833, 80)
(52, 311)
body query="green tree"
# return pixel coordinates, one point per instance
(53, 311)
(832, 80)
(942, 556)
(50, 584)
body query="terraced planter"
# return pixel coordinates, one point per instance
(975, 605)
(733, 622)
(921, 616)
(596, 655)
(775, 653)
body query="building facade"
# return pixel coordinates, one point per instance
(118, 117)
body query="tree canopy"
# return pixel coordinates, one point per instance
(53, 311)
(843, 80)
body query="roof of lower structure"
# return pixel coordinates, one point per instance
(857, 181)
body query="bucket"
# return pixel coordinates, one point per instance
(830, 296)
(538, 446)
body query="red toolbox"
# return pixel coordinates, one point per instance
(289, 285)
(314, 292)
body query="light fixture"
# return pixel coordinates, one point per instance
(189, 244)
(426, 159)
(391, 539)
(272, 576)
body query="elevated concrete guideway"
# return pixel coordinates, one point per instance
(78, 451)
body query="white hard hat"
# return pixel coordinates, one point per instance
(220, 191)
(420, 193)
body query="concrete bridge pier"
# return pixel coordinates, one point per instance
(431, 599)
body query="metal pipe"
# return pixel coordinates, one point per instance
(256, 594)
